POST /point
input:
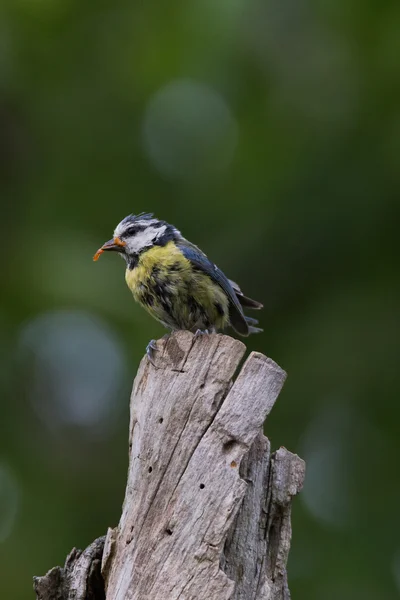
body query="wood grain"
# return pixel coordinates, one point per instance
(206, 514)
(190, 429)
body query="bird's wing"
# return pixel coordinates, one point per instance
(200, 261)
(244, 300)
(235, 286)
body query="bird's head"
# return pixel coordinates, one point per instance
(137, 233)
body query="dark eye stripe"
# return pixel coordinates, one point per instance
(134, 229)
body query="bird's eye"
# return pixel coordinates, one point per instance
(130, 231)
(133, 230)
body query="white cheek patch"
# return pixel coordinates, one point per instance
(118, 230)
(144, 239)
(121, 228)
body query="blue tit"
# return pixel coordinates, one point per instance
(175, 281)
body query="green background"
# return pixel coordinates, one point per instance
(268, 132)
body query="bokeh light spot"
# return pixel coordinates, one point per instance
(328, 455)
(76, 369)
(189, 130)
(396, 569)
(9, 501)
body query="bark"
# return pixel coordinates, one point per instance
(206, 514)
(79, 579)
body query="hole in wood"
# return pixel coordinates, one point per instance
(169, 531)
(202, 486)
(150, 469)
(228, 446)
(160, 420)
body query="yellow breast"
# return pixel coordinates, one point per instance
(165, 283)
(160, 260)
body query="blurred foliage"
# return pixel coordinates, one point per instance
(299, 203)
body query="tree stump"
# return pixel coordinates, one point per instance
(206, 514)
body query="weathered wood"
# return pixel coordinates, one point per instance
(206, 514)
(258, 543)
(79, 579)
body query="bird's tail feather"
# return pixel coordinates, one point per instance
(255, 329)
(251, 323)
(244, 300)
(248, 302)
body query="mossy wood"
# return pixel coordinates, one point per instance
(206, 514)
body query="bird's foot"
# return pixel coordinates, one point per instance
(200, 332)
(150, 348)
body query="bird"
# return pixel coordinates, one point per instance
(176, 282)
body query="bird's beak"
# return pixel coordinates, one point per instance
(115, 244)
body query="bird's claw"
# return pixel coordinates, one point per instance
(150, 348)
(200, 332)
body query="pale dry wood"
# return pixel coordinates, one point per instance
(245, 546)
(184, 487)
(79, 579)
(258, 543)
(206, 514)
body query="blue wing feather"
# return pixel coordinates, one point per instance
(202, 262)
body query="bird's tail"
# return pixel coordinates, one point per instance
(248, 302)
(251, 325)
(244, 300)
